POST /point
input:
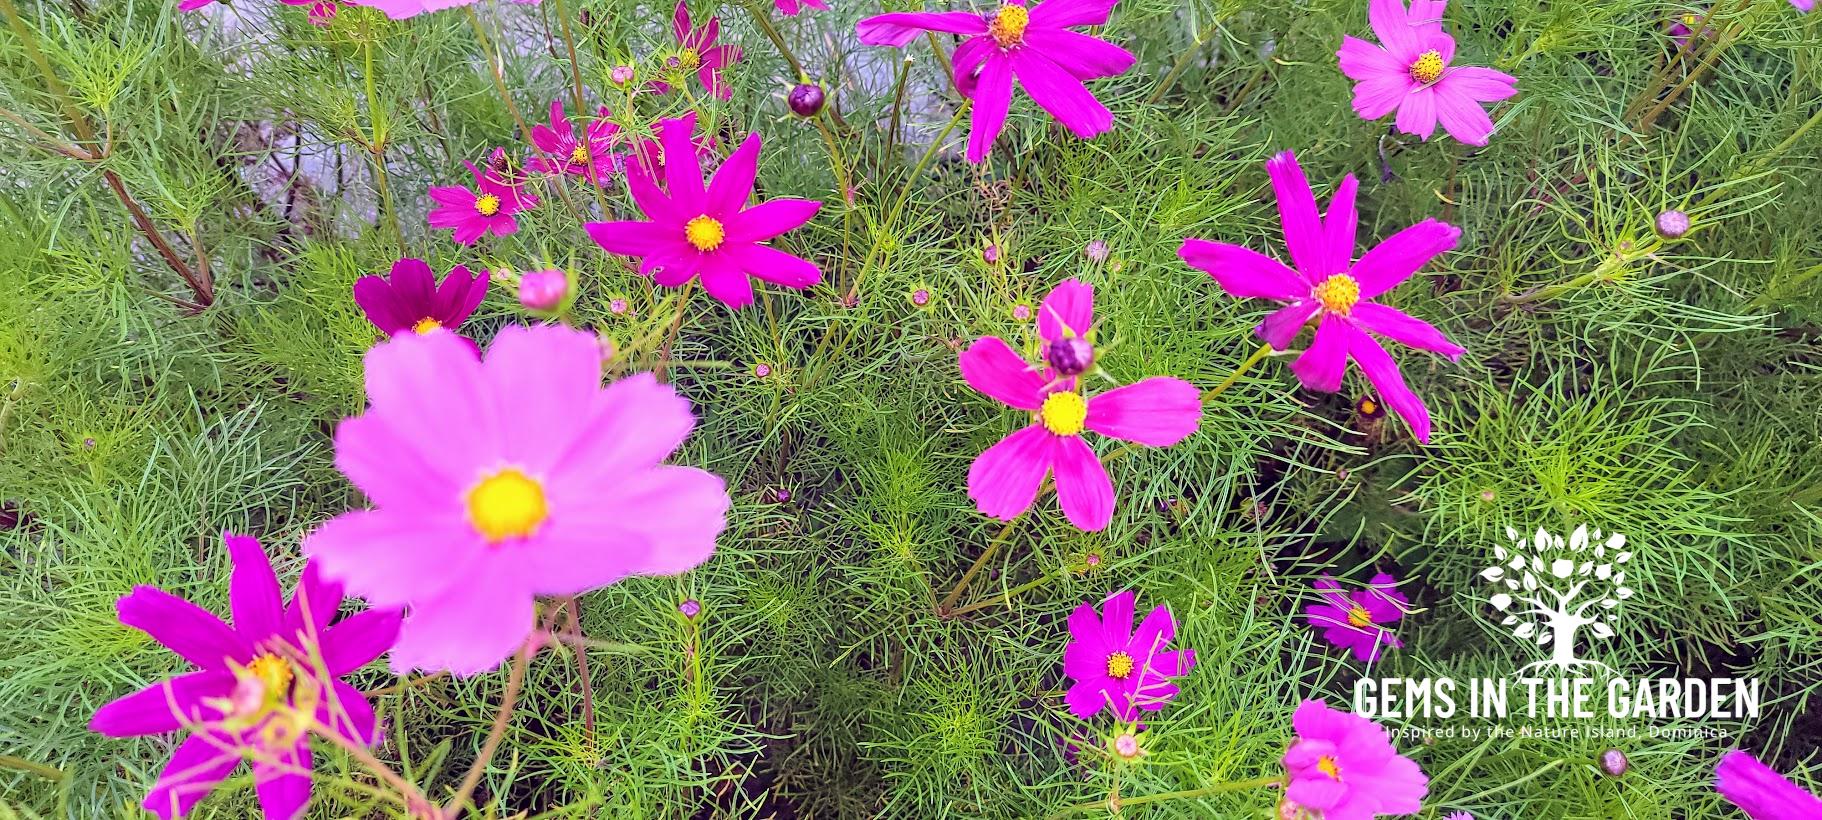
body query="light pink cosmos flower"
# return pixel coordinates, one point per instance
(491, 210)
(1333, 289)
(1004, 480)
(1356, 621)
(699, 50)
(1761, 792)
(1411, 74)
(1033, 45)
(1804, 5)
(499, 479)
(709, 231)
(401, 9)
(1116, 667)
(592, 157)
(1344, 767)
(790, 8)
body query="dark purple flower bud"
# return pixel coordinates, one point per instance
(1614, 762)
(1673, 224)
(1069, 356)
(690, 608)
(805, 100)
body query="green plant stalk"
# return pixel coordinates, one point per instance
(1005, 597)
(845, 192)
(499, 83)
(905, 194)
(377, 145)
(1727, 39)
(1207, 791)
(764, 23)
(43, 770)
(1234, 377)
(575, 76)
(1601, 273)
(1182, 63)
(987, 554)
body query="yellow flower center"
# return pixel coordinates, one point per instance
(1328, 766)
(1119, 665)
(487, 204)
(689, 59)
(1428, 68)
(1008, 26)
(425, 325)
(705, 233)
(506, 504)
(1359, 618)
(1338, 293)
(1064, 413)
(1690, 20)
(274, 673)
(579, 155)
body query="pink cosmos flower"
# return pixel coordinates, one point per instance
(1411, 74)
(698, 51)
(592, 157)
(790, 8)
(1331, 288)
(401, 9)
(413, 302)
(252, 680)
(709, 231)
(491, 210)
(1682, 27)
(1354, 621)
(1804, 5)
(1761, 792)
(1343, 766)
(321, 11)
(1004, 480)
(1033, 45)
(1116, 667)
(497, 480)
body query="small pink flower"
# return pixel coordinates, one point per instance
(1116, 667)
(711, 231)
(761, 370)
(1332, 289)
(990, 254)
(1096, 251)
(1682, 27)
(1021, 313)
(1033, 45)
(621, 74)
(411, 301)
(1345, 767)
(592, 157)
(617, 307)
(1126, 746)
(690, 608)
(920, 297)
(1004, 480)
(1410, 73)
(543, 290)
(790, 8)
(473, 214)
(1761, 792)
(1356, 621)
(699, 52)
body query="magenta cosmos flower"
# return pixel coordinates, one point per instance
(1117, 667)
(412, 301)
(255, 687)
(1411, 74)
(497, 480)
(1333, 290)
(1761, 792)
(1033, 45)
(1004, 480)
(1355, 621)
(1804, 5)
(790, 8)
(699, 51)
(472, 214)
(1343, 766)
(591, 156)
(709, 231)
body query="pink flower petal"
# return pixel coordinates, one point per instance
(899, 29)
(1116, 618)
(1376, 98)
(393, 559)
(539, 380)
(1064, 96)
(254, 598)
(1004, 479)
(1083, 488)
(389, 468)
(773, 265)
(657, 521)
(992, 99)
(682, 169)
(991, 367)
(1244, 273)
(1363, 61)
(375, 298)
(1297, 213)
(1405, 329)
(1462, 116)
(769, 219)
(1338, 228)
(733, 182)
(429, 390)
(1087, 698)
(165, 706)
(636, 422)
(1383, 373)
(468, 629)
(631, 238)
(357, 639)
(190, 631)
(1084, 57)
(967, 60)
(1482, 84)
(652, 202)
(1156, 412)
(1281, 326)
(1323, 364)
(1070, 306)
(724, 280)
(1055, 14)
(1388, 20)
(349, 712)
(284, 788)
(200, 762)
(1402, 254)
(1417, 113)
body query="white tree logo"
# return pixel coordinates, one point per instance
(1545, 576)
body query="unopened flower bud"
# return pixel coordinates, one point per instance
(805, 100)
(1614, 762)
(1021, 312)
(621, 74)
(1069, 356)
(1096, 251)
(1673, 224)
(543, 290)
(690, 608)
(920, 297)
(991, 253)
(1126, 746)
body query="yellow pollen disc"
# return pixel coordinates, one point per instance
(274, 673)
(1338, 293)
(1008, 26)
(1328, 766)
(1690, 20)
(705, 233)
(1119, 665)
(689, 59)
(1368, 407)
(506, 504)
(579, 155)
(487, 204)
(1359, 618)
(425, 325)
(1064, 413)
(1428, 68)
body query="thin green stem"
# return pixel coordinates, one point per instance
(764, 22)
(494, 69)
(1182, 63)
(43, 770)
(1005, 597)
(987, 554)
(1115, 803)
(377, 145)
(904, 195)
(845, 192)
(1234, 377)
(1477, 797)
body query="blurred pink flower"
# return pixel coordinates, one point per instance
(473, 214)
(790, 8)
(1761, 792)
(1410, 73)
(500, 479)
(1344, 766)
(1355, 621)
(1116, 667)
(1004, 480)
(1033, 45)
(1331, 288)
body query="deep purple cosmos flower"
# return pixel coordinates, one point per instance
(1761, 792)
(256, 687)
(1356, 621)
(1117, 667)
(411, 301)
(1031, 44)
(709, 231)
(490, 210)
